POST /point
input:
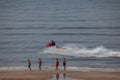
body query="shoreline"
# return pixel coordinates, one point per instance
(49, 73)
(82, 69)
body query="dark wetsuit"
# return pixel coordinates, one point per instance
(53, 43)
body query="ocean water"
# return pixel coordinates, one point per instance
(88, 30)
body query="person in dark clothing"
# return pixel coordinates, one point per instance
(40, 63)
(29, 64)
(53, 43)
(64, 63)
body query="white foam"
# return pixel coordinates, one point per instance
(13, 68)
(76, 51)
(84, 69)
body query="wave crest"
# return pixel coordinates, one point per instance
(77, 51)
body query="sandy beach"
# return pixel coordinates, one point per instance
(48, 74)
(25, 75)
(95, 75)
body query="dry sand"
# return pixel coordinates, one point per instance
(47, 74)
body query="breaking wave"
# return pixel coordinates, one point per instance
(77, 51)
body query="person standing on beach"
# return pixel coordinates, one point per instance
(29, 64)
(64, 63)
(40, 63)
(57, 64)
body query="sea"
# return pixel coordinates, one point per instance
(87, 30)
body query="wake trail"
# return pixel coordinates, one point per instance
(76, 51)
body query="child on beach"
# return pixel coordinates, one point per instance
(57, 64)
(29, 64)
(40, 63)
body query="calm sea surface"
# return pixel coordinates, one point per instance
(89, 29)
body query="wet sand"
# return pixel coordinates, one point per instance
(95, 75)
(48, 74)
(26, 75)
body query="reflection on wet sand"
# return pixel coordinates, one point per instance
(57, 76)
(64, 75)
(61, 76)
